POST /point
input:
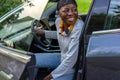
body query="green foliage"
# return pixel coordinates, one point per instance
(83, 6)
(7, 5)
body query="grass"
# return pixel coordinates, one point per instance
(83, 5)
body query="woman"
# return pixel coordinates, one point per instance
(68, 31)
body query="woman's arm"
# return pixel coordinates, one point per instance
(46, 34)
(51, 34)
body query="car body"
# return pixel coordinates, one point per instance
(99, 45)
(99, 41)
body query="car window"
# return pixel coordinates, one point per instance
(50, 4)
(15, 32)
(15, 28)
(113, 17)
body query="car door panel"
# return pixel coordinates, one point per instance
(13, 64)
(10, 69)
(103, 55)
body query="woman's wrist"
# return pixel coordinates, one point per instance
(48, 77)
(40, 32)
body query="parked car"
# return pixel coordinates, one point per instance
(99, 51)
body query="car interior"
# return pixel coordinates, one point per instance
(28, 43)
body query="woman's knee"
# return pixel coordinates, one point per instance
(47, 59)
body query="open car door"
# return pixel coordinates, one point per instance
(103, 55)
(16, 66)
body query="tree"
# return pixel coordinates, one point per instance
(7, 5)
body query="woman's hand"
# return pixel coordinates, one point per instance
(48, 77)
(39, 31)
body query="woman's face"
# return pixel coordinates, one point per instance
(68, 14)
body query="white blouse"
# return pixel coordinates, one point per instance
(69, 49)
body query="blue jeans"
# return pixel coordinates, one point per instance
(50, 60)
(47, 60)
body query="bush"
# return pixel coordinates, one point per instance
(7, 5)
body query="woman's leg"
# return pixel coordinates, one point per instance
(47, 60)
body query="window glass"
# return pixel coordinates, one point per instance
(113, 17)
(15, 32)
(50, 4)
(97, 16)
(15, 28)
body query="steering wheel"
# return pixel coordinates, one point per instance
(40, 40)
(42, 43)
